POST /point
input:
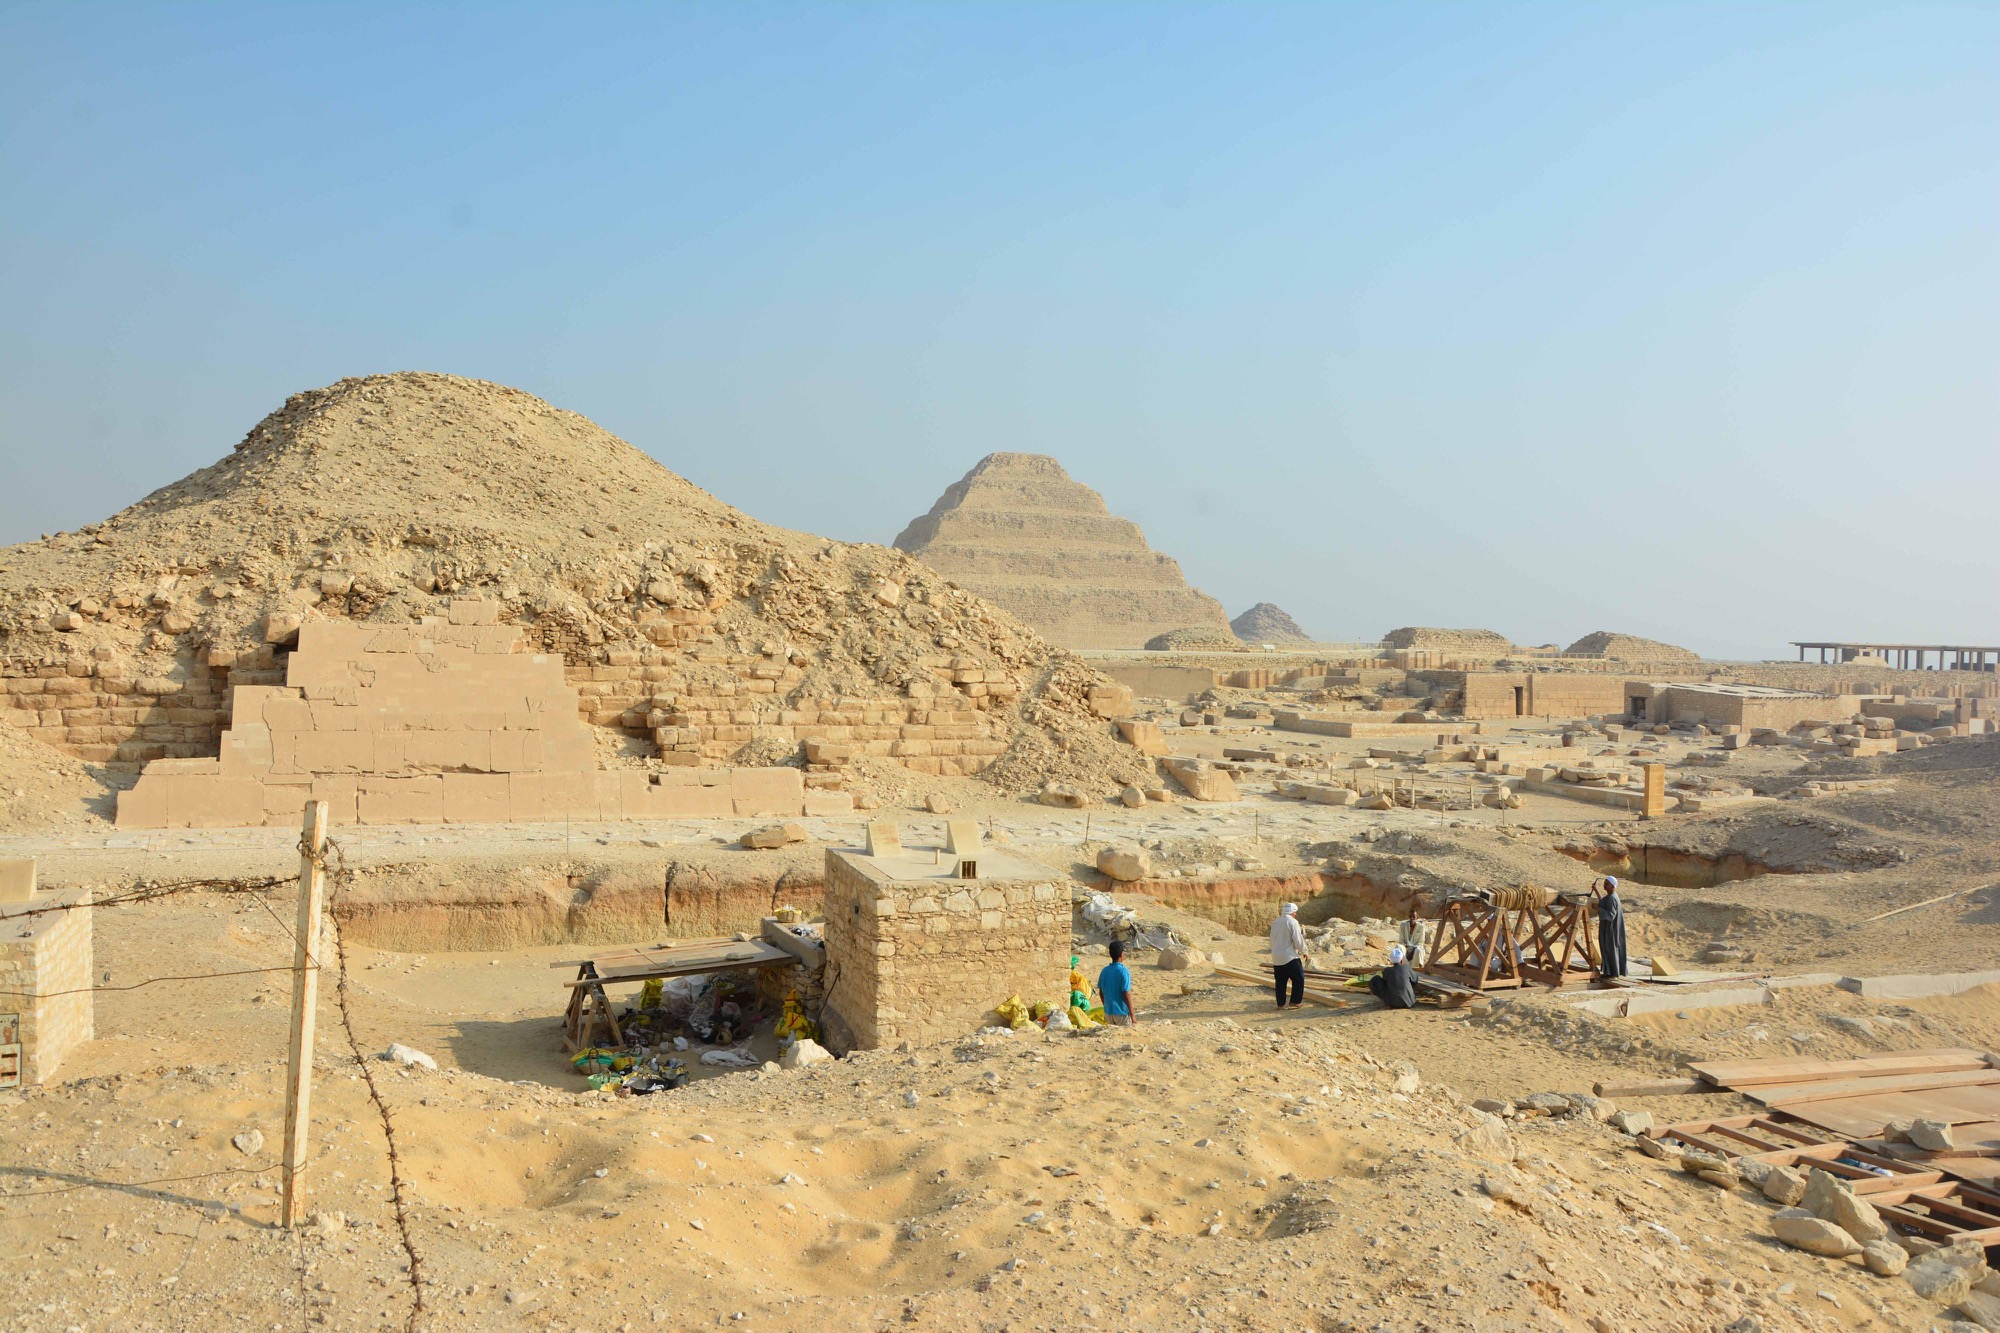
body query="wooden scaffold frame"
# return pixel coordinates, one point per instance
(1513, 938)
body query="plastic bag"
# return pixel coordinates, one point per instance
(1059, 1021)
(649, 995)
(1013, 1012)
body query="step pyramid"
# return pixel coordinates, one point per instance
(1017, 530)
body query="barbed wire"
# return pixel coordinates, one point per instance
(333, 863)
(149, 981)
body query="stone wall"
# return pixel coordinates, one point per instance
(43, 952)
(915, 956)
(431, 723)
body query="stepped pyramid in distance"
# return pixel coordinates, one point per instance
(1018, 531)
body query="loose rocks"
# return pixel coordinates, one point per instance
(1815, 1235)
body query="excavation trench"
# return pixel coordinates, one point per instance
(1673, 868)
(408, 910)
(1245, 904)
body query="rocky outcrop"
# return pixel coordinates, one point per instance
(1628, 648)
(1267, 622)
(1018, 531)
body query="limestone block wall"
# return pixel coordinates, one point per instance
(43, 952)
(1491, 694)
(925, 958)
(100, 710)
(431, 723)
(699, 700)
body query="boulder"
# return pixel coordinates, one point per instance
(1883, 1258)
(1981, 1309)
(1631, 1122)
(1407, 1080)
(1487, 1140)
(1932, 1135)
(1125, 862)
(1935, 1277)
(805, 1051)
(1064, 795)
(408, 1057)
(1784, 1187)
(1132, 798)
(773, 835)
(1815, 1235)
(1177, 958)
(1828, 1196)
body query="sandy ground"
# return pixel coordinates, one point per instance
(1220, 1166)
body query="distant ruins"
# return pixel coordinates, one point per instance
(1267, 623)
(1018, 531)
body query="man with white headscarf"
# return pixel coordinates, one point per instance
(1288, 964)
(1610, 931)
(1393, 985)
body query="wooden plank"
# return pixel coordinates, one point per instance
(1770, 1126)
(1667, 1087)
(1707, 1145)
(1743, 1136)
(1748, 1073)
(1788, 1094)
(1917, 1221)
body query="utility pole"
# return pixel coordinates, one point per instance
(305, 1007)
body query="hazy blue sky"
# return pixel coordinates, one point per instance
(1680, 320)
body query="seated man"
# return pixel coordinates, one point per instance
(1393, 985)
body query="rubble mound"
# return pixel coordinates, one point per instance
(1628, 648)
(1267, 622)
(1194, 639)
(681, 620)
(1018, 531)
(1475, 642)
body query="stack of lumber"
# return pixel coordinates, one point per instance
(1857, 1099)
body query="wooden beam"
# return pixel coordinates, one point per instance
(1781, 1095)
(305, 1011)
(1750, 1073)
(1666, 1087)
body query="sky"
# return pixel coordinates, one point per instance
(1676, 320)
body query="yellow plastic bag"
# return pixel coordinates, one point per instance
(1013, 1012)
(1080, 1019)
(650, 994)
(794, 1023)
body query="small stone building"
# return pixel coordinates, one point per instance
(915, 953)
(45, 948)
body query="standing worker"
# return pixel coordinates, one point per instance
(1416, 937)
(1610, 931)
(1288, 964)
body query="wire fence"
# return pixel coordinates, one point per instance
(331, 863)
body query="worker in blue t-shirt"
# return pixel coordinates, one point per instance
(1114, 986)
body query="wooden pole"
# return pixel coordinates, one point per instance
(305, 1008)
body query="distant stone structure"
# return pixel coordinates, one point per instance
(1628, 648)
(1018, 531)
(1449, 642)
(1202, 640)
(1268, 623)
